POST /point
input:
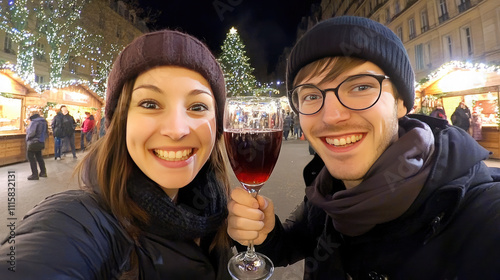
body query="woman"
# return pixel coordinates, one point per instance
(155, 205)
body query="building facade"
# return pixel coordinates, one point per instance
(434, 32)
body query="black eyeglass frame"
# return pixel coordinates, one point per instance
(379, 78)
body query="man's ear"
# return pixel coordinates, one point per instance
(401, 108)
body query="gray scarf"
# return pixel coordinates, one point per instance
(390, 186)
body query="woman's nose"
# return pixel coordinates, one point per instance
(175, 123)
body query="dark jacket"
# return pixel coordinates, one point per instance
(454, 233)
(37, 130)
(76, 238)
(57, 129)
(461, 118)
(68, 125)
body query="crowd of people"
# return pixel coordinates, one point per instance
(388, 195)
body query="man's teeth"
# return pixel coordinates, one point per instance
(344, 140)
(174, 156)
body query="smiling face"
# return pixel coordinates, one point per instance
(349, 142)
(171, 126)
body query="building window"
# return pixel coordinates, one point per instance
(427, 55)
(463, 6)
(39, 79)
(7, 43)
(467, 41)
(443, 11)
(411, 27)
(424, 18)
(397, 8)
(419, 57)
(447, 48)
(399, 32)
(387, 15)
(40, 51)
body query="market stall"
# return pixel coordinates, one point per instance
(13, 100)
(78, 98)
(478, 86)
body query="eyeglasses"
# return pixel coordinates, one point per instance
(358, 92)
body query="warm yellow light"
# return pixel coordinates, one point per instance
(461, 80)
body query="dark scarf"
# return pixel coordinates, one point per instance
(200, 209)
(390, 186)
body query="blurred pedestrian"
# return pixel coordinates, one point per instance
(439, 112)
(87, 130)
(36, 133)
(477, 124)
(287, 124)
(461, 117)
(68, 127)
(58, 133)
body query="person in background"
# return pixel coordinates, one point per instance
(439, 112)
(461, 117)
(68, 127)
(287, 124)
(296, 126)
(58, 133)
(389, 195)
(477, 124)
(102, 127)
(36, 133)
(87, 130)
(154, 198)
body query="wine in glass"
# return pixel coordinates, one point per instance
(253, 129)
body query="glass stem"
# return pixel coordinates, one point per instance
(250, 254)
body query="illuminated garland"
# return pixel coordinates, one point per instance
(12, 68)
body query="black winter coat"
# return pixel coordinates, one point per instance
(75, 238)
(454, 233)
(57, 129)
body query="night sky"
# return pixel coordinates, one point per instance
(265, 26)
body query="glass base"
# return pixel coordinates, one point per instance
(246, 266)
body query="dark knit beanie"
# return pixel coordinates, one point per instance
(359, 37)
(164, 48)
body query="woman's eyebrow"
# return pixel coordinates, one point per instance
(149, 87)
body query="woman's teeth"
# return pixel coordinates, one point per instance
(174, 156)
(342, 141)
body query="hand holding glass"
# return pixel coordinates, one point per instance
(253, 129)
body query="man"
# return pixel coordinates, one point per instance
(388, 196)
(58, 132)
(68, 126)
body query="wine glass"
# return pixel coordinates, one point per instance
(253, 129)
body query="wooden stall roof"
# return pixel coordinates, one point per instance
(19, 82)
(54, 93)
(461, 78)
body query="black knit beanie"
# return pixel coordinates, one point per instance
(164, 48)
(356, 37)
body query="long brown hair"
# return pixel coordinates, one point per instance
(107, 167)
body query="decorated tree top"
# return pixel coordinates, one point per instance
(236, 66)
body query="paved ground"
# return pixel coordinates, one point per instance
(285, 187)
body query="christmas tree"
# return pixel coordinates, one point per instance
(236, 66)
